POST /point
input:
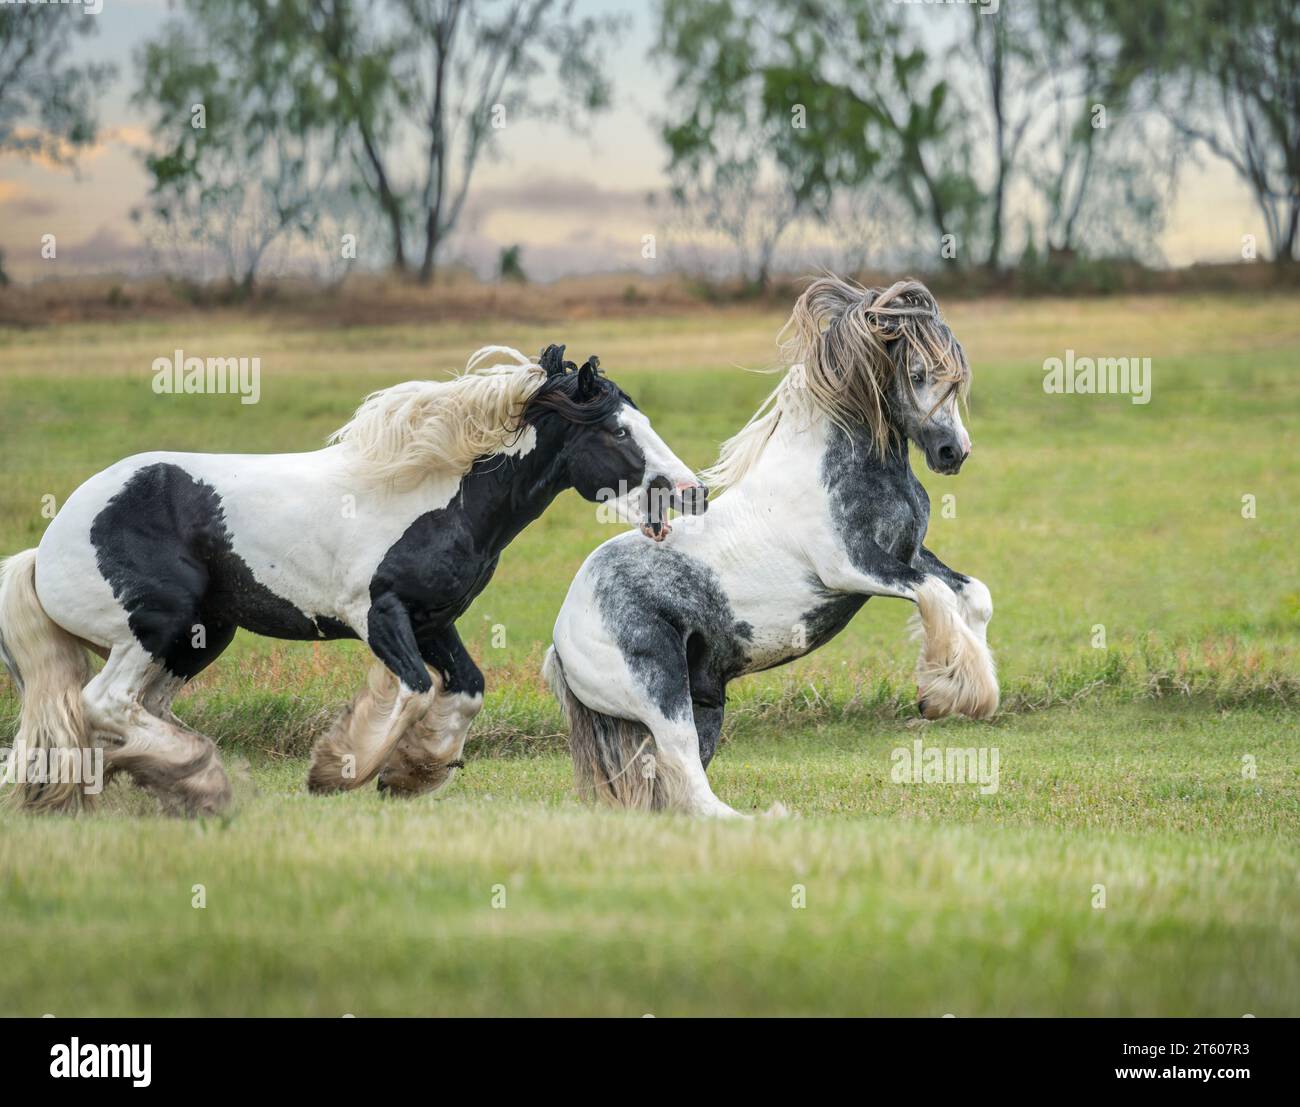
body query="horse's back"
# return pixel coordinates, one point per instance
(145, 548)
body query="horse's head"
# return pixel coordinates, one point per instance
(927, 391)
(611, 451)
(885, 359)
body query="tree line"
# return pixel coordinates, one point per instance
(937, 117)
(1043, 127)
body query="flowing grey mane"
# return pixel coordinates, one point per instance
(843, 344)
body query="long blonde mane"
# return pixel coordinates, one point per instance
(841, 366)
(399, 434)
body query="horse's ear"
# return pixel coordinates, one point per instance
(552, 360)
(587, 384)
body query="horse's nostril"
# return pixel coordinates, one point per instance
(947, 454)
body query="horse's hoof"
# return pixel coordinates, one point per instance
(391, 792)
(322, 786)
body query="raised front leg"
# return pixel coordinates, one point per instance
(429, 750)
(357, 746)
(976, 600)
(955, 673)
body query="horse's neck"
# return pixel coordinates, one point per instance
(503, 493)
(803, 463)
(796, 454)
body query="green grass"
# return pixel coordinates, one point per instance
(1075, 510)
(920, 900)
(1120, 766)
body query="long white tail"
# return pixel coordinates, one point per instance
(955, 673)
(50, 668)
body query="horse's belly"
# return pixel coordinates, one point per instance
(803, 623)
(236, 595)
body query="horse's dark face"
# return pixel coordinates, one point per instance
(622, 456)
(612, 453)
(925, 408)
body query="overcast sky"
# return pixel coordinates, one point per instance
(576, 203)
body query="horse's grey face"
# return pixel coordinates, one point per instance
(928, 413)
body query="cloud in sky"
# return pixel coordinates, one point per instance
(20, 201)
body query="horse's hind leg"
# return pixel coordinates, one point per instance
(708, 698)
(677, 754)
(708, 725)
(177, 763)
(654, 692)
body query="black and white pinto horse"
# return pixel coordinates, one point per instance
(385, 535)
(822, 511)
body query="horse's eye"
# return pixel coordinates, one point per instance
(918, 378)
(621, 432)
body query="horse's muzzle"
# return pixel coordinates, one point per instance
(691, 499)
(946, 457)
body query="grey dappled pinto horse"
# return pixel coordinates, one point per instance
(821, 512)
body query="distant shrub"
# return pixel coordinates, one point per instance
(510, 267)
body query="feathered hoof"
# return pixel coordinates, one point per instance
(203, 793)
(323, 779)
(955, 674)
(412, 779)
(970, 689)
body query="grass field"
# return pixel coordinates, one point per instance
(1164, 766)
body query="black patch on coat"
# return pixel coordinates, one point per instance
(445, 558)
(879, 510)
(927, 563)
(162, 545)
(672, 622)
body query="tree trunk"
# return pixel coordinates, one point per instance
(431, 242)
(937, 211)
(994, 259)
(997, 63)
(1285, 252)
(389, 202)
(436, 181)
(393, 210)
